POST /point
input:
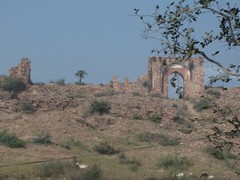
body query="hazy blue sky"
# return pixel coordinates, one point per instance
(63, 36)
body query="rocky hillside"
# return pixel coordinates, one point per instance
(75, 123)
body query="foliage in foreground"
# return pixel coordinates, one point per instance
(11, 140)
(174, 26)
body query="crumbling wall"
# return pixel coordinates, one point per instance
(192, 71)
(22, 71)
(140, 86)
(159, 70)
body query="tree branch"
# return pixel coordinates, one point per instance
(225, 70)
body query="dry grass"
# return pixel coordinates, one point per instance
(72, 128)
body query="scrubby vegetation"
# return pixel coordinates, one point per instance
(214, 92)
(185, 126)
(137, 116)
(202, 104)
(173, 162)
(26, 107)
(12, 84)
(105, 148)
(11, 140)
(127, 136)
(108, 92)
(133, 163)
(100, 107)
(60, 81)
(161, 139)
(43, 138)
(155, 118)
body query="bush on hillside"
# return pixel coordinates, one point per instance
(173, 162)
(202, 105)
(44, 138)
(105, 148)
(155, 118)
(11, 140)
(13, 85)
(27, 107)
(100, 107)
(60, 81)
(214, 92)
(108, 92)
(158, 138)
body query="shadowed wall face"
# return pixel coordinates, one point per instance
(191, 70)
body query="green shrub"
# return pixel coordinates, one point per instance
(105, 148)
(134, 164)
(136, 94)
(44, 138)
(10, 140)
(108, 92)
(155, 118)
(158, 138)
(13, 85)
(137, 116)
(51, 169)
(92, 173)
(27, 107)
(173, 162)
(185, 125)
(202, 105)
(214, 92)
(165, 140)
(100, 107)
(145, 137)
(60, 81)
(73, 143)
(58, 169)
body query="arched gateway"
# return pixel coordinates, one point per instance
(191, 70)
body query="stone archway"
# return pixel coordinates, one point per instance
(192, 71)
(175, 86)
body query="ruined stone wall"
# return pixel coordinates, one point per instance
(192, 71)
(140, 86)
(22, 71)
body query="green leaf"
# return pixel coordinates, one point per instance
(173, 84)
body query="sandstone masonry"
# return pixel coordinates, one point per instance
(159, 70)
(22, 71)
(191, 70)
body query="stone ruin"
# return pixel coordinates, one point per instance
(22, 71)
(159, 70)
(139, 86)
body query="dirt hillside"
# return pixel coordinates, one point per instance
(142, 128)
